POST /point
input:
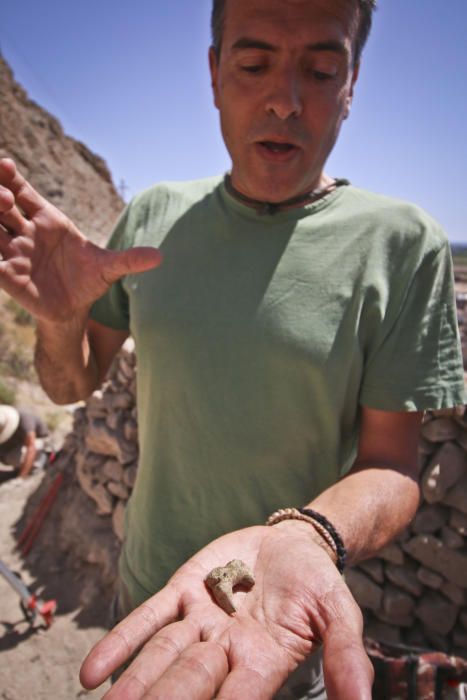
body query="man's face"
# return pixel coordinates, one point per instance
(283, 84)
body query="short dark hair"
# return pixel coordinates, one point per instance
(366, 8)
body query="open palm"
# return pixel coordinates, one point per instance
(46, 264)
(299, 602)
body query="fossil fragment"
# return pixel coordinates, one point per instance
(223, 579)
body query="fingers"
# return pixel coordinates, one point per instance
(6, 199)
(5, 240)
(154, 659)
(10, 217)
(248, 683)
(128, 636)
(25, 195)
(197, 673)
(348, 672)
(14, 222)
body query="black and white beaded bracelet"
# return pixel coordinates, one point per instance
(338, 541)
(321, 524)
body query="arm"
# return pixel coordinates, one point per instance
(53, 271)
(30, 456)
(299, 601)
(380, 495)
(72, 358)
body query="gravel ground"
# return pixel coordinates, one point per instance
(36, 662)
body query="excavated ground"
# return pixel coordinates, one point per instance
(36, 662)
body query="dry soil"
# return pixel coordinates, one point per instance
(36, 662)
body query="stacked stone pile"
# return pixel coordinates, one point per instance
(415, 591)
(99, 460)
(106, 428)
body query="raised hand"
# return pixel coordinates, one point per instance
(46, 264)
(190, 648)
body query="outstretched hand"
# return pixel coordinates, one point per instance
(46, 264)
(190, 648)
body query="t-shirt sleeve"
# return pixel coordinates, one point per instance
(416, 362)
(30, 423)
(112, 309)
(41, 428)
(27, 422)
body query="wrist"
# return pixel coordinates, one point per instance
(330, 539)
(75, 325)
(296, 527)
(64, 361)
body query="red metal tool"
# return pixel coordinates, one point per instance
(31, 530)
(30, 604)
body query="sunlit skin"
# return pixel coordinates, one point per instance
(283, 84)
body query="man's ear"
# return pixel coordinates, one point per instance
(349, 99)
(214, 70)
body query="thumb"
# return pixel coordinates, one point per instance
(130, 262)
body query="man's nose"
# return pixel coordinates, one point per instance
(284, 99)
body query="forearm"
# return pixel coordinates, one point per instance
(369, 507)
(28, 460)
(64, 360)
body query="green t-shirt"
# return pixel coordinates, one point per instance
(257, 340)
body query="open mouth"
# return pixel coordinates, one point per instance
(276, 147)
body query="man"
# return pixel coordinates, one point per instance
(21, 439)
(287, 348)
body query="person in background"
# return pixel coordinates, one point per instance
(22, 436)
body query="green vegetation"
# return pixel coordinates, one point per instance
(459, 254)
(53, 420)
(7, 395)
(18, 364)
(16, 341)
(460, 259)
(20, 315)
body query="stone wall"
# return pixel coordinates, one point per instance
(107, 458)
(414, 592)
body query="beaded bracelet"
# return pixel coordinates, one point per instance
(295, 514)
(321, 525)
(338, 541)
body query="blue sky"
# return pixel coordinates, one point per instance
(132, 83)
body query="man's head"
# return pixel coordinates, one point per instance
(283, 73)
(365, 7)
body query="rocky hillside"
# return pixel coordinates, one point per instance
(62, 169)
(77, 181)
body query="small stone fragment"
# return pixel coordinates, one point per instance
(223, 579)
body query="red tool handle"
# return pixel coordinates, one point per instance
(31, 530)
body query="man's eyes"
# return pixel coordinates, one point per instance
(319, 75)
(253, 68)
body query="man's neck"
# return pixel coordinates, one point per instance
(270, 208)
